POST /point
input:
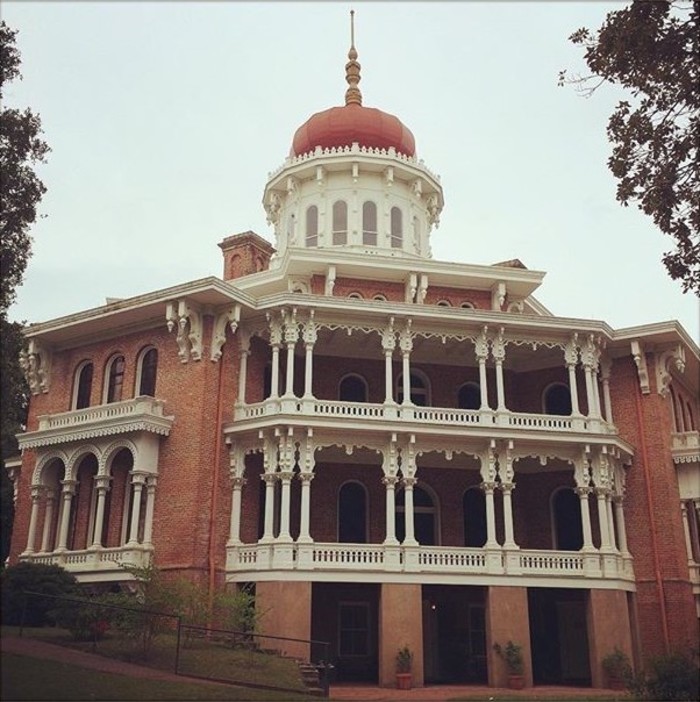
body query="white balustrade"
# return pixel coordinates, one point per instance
(90, 561)
(454, 559)
(551, 562)
(118, 410)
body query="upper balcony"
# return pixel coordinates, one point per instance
(685, 447)
(137, 414)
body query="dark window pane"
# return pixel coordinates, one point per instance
(149, 367)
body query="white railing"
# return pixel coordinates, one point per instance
(358, 558)
(683, 440)
(94, 561)
(438, 416)
(114, 410)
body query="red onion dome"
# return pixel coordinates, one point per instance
(343, 126)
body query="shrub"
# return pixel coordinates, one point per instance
(512, 654)
(86, 619)
(617, 665)
(673, 677)
(404, 660)
(43, 579)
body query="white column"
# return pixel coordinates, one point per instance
(603, 519)
(488, 489)
(151, 482)
(621, 530)
(48, 520)
(137, 481)
(571, 359)
(243, 372)
(507, 489)
(606, 367)
(388, 345)
(275, 379)
(611, 521)
(498, 350)
(583, 493)
(67, 498)
(291, 335)
(304, 534)
(286, 478)
(596, 393)
(101, 485)
(390, 482)
(481, 350)
(31, 537)
(410, 537)
(406, 373)
(269, 479)
(234, 532)
(686, 531)
(310, 337)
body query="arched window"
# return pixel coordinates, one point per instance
(340, 223)
(352, 388)
(674, 410)
(115, 379)
(312, 226)
(369, 224)
(691, 419)
(474, 509)
(352, 514)
(425, 525)
(379, 297)
(355, 296)
(396, 228)
(82, 385)
(469, 397)
(420, 389)
(566, 514)
(444, 303)
(147, 371)
(557, 400)
(468, 306)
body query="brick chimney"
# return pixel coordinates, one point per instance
(244, 254)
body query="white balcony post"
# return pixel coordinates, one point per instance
(583, 493)
(507, 489)
(614, 544)
(596, 394)
(488, 489)
(137, 482)
(269, 479)
(234, 531)
(50, 496)
(67, 498)
(410, 537)
(686, 531)
(589, 360)
(571, 359)
(101, 486)
(600, 494)
(275, 379)
(481, 350)
(304, 534)
(388, 345)
(310, 337)
(406, 345)
(31, 538)
(498, 351)
(390, 482)
(286, 478)
(243, 368)
(606, 367)
(621, 530)
(151, 482)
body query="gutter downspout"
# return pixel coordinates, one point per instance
(214, 487)
(650, 507)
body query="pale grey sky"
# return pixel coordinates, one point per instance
(166, 117)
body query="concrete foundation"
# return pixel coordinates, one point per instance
(285, 610)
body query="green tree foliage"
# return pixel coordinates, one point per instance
(650, 48)
(674, 677)
(43, 579)
(21, 148)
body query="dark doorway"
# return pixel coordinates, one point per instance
(567, 520)
(346, 615)
(454, 634)
(559, 636)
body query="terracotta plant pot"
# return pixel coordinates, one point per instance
(404, 681)
(516, 682)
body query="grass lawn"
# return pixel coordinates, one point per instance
(23, 678)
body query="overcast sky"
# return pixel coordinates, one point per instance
(165, 118)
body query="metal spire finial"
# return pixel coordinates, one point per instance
(353, 96)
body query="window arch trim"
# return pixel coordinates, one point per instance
(82, 386)
(113, 390)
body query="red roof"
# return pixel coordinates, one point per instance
(341, 126)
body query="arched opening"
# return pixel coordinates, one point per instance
(340, 223)
(425, 516)
(420, 389)
(82, 515)
(115, 379)
(474, 513)
(557, 400)
(147, 371)
(115, 529)
(396, 228)
(468, 306)
(444, 303)
(355, 296)
(369, 224)
(352, 514)
(312, 226)
(469, 397)
(352, 388)
(82, 386)
(51, 476)
(566, 514)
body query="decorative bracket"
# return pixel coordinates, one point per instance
(641, 361)
(498, 295)
(186, 318)
(230, 317)
(36, 364)
(663, 367)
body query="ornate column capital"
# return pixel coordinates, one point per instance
(488, 487)
(406, 338)
(102, 482)
(310, 330)
(409, 482)
(306, 477)
(269, 478)
(390, 481)
(498, 346)
(388, 337)
(237, 482)
(69, 486)
(583, 491)
(481, 345)
(571, 351)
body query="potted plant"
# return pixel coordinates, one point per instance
(404, 665)
(512, 655)
(618, 669)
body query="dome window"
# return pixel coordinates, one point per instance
(340, 223)
(396, 228)
(369, 224)
(312, 226)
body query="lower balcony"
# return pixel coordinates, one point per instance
(349, 561)
(96, 565)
